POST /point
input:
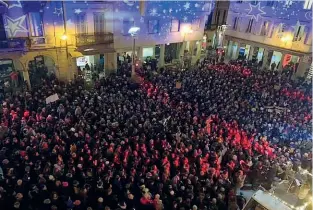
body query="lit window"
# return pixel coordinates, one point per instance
(99, 22)
(308, 4)
(282, 28)
(299, 32)
(36, 24)
(196, 24)
(264, 29)
(81, 26)
(175, 25)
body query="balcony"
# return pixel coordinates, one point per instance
(13, 45)
(94, 39)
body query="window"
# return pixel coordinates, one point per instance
(81, 26)
(264, 30)
(127, 24)
(175, 25)
(36, 26)
(224, 17)
(153, 26)
(254, 2)
(298, 33)
(249, 29)
(217, 17)
(235, 23)
(196, 24)
(270, 3)
(147, 51)
(99, 23)
(282, 28)
(2, 29)
(308, 4)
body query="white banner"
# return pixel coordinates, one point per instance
(52, 98)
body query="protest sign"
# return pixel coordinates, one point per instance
(52, 98)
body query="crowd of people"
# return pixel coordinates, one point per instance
(155, 145)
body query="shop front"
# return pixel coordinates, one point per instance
(172, 52)
(90, 66)
(41, 67)
(8, 76)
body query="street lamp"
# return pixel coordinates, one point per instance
(186, 30)
(64, 37)
(133, 31)
(286, 39)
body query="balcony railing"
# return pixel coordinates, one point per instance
(97, 38)
(13, 44)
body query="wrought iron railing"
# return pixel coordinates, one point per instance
(97, 38)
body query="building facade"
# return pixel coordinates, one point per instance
(215, 27)
(63, 35)
(275, 33)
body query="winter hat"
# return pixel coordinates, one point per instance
(122, 205)
(54, 207)
(19, 196)
(51, 178)
(75, 183)
(19, 182)
(47, 201)
(17, 205)
(65, 184)
(69, 203)
(100, 184)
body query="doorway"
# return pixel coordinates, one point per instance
(42, 67)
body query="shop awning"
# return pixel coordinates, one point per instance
(76, 54)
